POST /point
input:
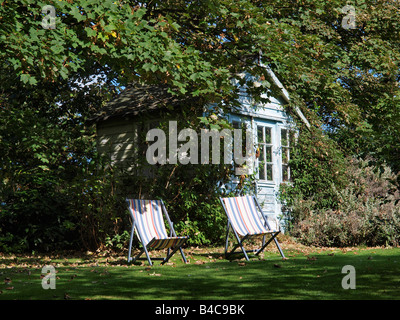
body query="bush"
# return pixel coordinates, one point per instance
(318, 169)
(56, 193)
(36, 218)
(190, 192)
(367, 212)
(99, 211)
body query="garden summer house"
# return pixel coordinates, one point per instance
(119, 122)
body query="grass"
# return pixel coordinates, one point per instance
(308, 273)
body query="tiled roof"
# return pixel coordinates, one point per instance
(136, 99)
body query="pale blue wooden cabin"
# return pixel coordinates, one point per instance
(273, 135)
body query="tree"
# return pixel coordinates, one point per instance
(53, 78)
(348, 76)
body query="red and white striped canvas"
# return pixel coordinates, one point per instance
(149, 220)
(243, 215)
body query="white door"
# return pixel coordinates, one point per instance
(268, 164)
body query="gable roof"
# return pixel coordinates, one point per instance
(137, 98)
(285, 95)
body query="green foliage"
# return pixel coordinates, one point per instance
(127, 37)
(348, 78)
(190, 195)
(190, 191)
(318, 169)
(118, 241)
(48, 167)
(367, 212)
(54, 185)
(99, 211)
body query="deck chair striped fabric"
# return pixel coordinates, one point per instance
(148, 221)
(246, 221)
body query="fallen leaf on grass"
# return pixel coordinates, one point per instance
(155, 274)
(10, 288)
(73, 277)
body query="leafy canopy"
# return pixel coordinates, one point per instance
(346, 81)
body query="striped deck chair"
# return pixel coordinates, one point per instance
(246, 221)
(147, 220)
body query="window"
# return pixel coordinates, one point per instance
(264, 150)
(236, 124)
(287, 140)
(243, 126)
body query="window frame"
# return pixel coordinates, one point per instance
(286, 150)
(262, 159)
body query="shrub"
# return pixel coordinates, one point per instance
(367, 212)
(318, 169)
(190, 191)
(56, 193)
(190, 194)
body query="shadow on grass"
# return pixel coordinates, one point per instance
(317, 276)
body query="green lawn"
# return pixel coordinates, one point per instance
(306, 274)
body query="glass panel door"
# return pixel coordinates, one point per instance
(264, 151)
(287, 137)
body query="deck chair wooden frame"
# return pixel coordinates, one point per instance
(246, 222)
(148, 222)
